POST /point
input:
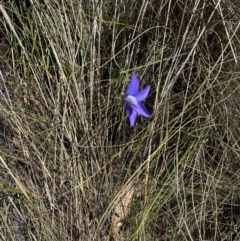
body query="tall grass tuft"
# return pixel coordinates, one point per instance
(71, 167)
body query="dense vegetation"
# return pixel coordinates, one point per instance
(71, 167)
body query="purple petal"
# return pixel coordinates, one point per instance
(133, 86)
(142, 95)
(141, 110)
(132, 114)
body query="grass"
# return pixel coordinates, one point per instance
(71, 168)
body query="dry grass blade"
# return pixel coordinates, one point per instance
(122, 208)
(71, 168)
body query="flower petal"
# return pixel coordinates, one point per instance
(142, 95)
(131, 100)
(133, 86)
(141, 110)
(132, 114)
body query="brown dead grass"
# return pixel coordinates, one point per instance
(71, 168)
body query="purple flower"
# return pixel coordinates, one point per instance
(133, 98)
